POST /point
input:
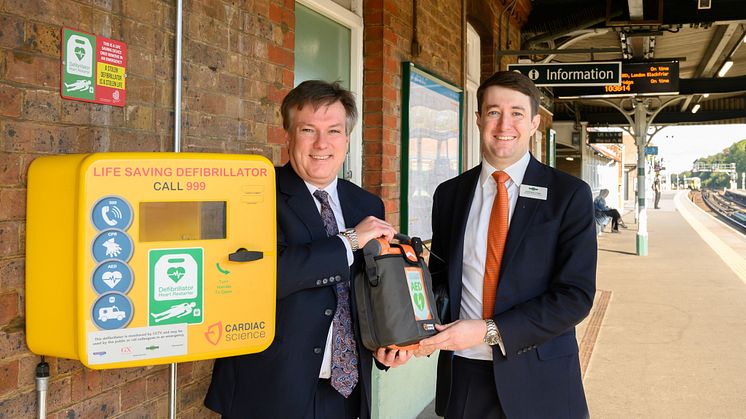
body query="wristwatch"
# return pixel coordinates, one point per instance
(492, 337)
(351, 235)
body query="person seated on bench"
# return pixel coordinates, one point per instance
(601, 209)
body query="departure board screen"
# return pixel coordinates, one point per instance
(648, 78)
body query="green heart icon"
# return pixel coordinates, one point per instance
(176, 273)
(419, 300)
(79, 52)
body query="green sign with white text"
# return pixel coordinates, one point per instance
(94, 68)
(175, 279)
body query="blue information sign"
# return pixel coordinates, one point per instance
(112, 244)
(651, 150)
(112, 275)
(112, 212)
(112, 310)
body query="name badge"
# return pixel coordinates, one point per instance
(533, 192)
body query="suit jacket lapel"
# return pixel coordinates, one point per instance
(525, 208)
(349, 211)
(463, 199)
(301, 202)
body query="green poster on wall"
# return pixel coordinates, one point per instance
(175, 279)
(93, 68)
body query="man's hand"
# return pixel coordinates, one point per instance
(461, 334)
(372, 228)
(392, 357)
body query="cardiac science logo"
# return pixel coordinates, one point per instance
(214, 333)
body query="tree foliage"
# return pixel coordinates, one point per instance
(736, 153)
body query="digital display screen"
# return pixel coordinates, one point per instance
(179, 221)
(650, 78)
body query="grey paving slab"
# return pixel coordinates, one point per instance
(672, 343)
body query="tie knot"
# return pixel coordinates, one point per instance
(500, 176)
(322, 196)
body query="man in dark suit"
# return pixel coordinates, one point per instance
(510, 348)
(316, 367)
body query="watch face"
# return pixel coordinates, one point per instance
(491, 339)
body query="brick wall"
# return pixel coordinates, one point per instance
(387, 43)
(238, 64)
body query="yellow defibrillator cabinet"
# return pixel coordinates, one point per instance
(138, 259)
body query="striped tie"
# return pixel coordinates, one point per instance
(496, 235)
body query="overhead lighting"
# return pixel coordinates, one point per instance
(695, 108)
(724, 69)
(744, 39)
(569, 158)
(705, 95)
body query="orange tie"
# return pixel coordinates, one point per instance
(496, 235)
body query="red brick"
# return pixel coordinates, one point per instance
(12, 274)
(58, 393)
(10, 169)
(50, 11)
(139, 35)
(9, 239)
(22, 405)
(11, 99)
(207, 29)
(141, 62)
(276, 135)
(9, 372)
(11, 35)
(184, 373)
(141, 10)
(64, 366)
(153, 409)
(207, 102)
(85, 384)
(215, 10)
(42, 38)
(42, 105)
(139, 117)
(103, 405)
(35, 70)
(193, 393)
(134, 393)
(140, 90)
(280, 56)
(13, 204)
(275, 12)
(157, 383)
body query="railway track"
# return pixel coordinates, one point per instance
(729, 206)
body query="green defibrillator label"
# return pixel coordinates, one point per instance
(416, 286)
(176, 286)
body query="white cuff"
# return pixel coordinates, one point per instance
(348, 246)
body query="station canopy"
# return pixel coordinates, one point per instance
(685, 59)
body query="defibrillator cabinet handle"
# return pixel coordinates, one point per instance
(243, 255)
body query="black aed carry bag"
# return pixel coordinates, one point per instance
(394, 295)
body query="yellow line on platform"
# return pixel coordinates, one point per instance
(734, 261)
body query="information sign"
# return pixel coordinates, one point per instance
(93, 68)
(651, 150)
(571, 74)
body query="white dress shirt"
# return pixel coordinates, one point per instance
(475, 244)
(331, 189)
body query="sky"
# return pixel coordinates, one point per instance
(680, 145)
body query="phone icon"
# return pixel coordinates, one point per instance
(117, 213)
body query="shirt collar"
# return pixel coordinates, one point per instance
(516, 171)
(331, 189)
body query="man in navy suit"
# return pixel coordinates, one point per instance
(313, 369)
(520, 358)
